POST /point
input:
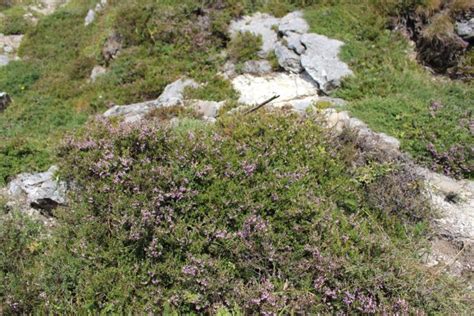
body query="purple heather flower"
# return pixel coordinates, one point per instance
(190, 270)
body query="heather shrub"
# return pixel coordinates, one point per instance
(262, 213)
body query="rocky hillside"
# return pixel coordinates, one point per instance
(236, 157)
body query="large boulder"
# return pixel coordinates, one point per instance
(42, 191)
(258, 24)
(132, 112)
(321, 60)
(5, 101)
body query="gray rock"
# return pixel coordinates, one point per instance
(288, 59)
(90, 17)
(4, 60)
(293, 41)
(96, 72)
(5, 101)
(293, 22)
(258, 24)
(41, 190)
(132, 112)
(257, 67)
(208, 109)
(228, 70)
(174, 92)
(465, 29)
(112, 46)
(321, 61)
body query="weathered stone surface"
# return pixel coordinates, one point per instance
(112, 46)
(258, 24)
(90, 17)
(321, 61)
(174, 92)
(257, 67)
(254, 90)
(208, 109)
(96, 72)
(465, 29)
(41, 190)
(228, 71)
(293, 41)
(288, 59)
(5, 101)
(131, 112)
(293, 22)
(9, 45)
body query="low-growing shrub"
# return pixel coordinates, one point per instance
(262, 212)
(244, 46)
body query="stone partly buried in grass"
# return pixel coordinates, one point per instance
(41, 191)
(172, 95)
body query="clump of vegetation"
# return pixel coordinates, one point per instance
(263, 213)
(394, 94)
(13, 21)
(244, 47)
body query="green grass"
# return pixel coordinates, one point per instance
(393, 94)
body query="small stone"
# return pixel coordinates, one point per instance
(96, 72)
(90, 17)
(208, 109)
(112, 47)
(465, 29)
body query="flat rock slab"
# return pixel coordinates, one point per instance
(255, 90)
(258, 24)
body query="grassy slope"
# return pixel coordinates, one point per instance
(393, 94)
(261, 213)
